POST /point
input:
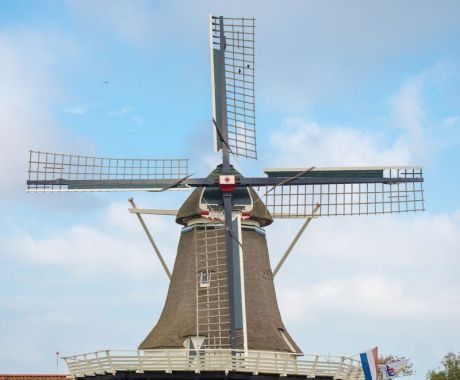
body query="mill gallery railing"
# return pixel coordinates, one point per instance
(197, 361)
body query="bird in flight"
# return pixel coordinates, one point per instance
(106, 82)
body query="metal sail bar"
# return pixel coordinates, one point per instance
(233, 83)
(344, 191)
(64, 172)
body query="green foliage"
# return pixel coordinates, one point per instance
(407, 371)
(450, 368)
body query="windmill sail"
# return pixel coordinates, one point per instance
(232, 75)
(343, 191)
(64, 172)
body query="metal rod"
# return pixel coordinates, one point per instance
(296, 239)
(157, 251)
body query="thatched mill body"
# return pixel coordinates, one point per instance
(197, 310)
(221, 318)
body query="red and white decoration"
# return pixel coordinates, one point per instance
(227, 182)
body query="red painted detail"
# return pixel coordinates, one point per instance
(226, 188)
(227, 183)
(205, 214)
(245, 215)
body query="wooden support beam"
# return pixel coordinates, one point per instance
(294, 242)
(149, 236)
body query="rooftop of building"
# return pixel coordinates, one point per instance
(33, 376)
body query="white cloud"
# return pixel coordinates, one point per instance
(368, 297)
(410, 117)
(372, 267)
(27, 94)
(138, 119)
(354, 282)
(390, 279)
(425, 132)
(23, 118)
(408, 106)
(132, 21)
(123, 110)
(300, 143)
(318, 52)
(418, 134)
(116, 246)
(80, 110)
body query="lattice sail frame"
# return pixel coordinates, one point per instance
(235, 90)
(342, 198)
(53, 171)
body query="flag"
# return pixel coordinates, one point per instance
(393, 369)
(369, 360)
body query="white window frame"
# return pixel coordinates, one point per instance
(205, 278)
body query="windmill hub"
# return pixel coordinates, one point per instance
(205, 204)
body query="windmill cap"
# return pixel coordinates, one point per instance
(244, 198)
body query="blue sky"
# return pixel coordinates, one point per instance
(337, 83)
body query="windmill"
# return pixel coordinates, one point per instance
(221, 317)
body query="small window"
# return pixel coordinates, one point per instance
(205, 279)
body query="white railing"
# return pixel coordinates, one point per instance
(254, 362)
